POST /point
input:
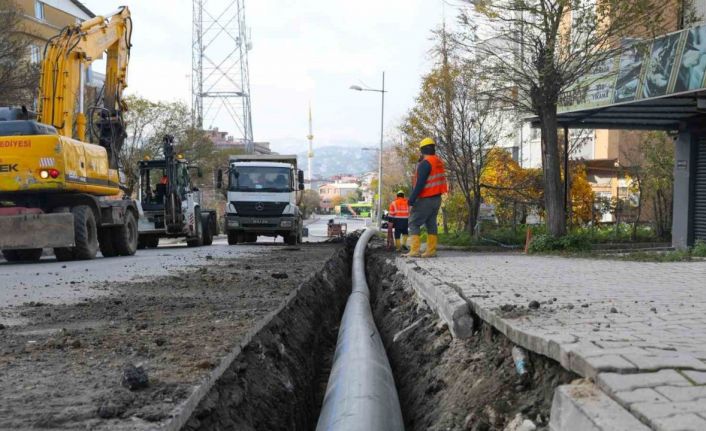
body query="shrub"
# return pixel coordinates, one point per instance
(699, 249)
(544, 243)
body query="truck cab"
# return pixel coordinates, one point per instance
(264, 193)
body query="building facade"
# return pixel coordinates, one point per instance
(332, 192)
(223, 141)
(42, 20)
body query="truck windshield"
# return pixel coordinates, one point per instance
(259, 178)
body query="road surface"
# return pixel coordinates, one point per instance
(52, 282)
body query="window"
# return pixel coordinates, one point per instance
(35, 54)
(535, 133)
(272, 179)
(39, 10)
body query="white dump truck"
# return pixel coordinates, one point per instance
(263, 197)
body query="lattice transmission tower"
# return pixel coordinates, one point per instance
(220, 75)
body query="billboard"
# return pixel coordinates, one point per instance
(672, 64)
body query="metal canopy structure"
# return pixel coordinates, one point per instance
(674, 112)
(221, 76)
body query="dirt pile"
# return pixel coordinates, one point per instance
(451, 384)
(64, 369)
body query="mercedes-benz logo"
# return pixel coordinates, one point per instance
(259, 206)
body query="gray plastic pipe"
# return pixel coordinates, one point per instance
(361, 393)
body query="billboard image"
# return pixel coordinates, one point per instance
(692, 66)
(646, 69)
(659, 69)
(628, 80)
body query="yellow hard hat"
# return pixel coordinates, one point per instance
(426, 141)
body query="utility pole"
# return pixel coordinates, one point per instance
(220, 70)
(310, 154)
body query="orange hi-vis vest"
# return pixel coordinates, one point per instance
(436, 182)
(399, 208)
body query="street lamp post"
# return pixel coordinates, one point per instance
(378, 218)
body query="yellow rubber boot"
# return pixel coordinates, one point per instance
(416, 244)
(432, 240)
(398, 245)
(404, 243)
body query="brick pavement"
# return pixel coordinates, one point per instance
(637, 329)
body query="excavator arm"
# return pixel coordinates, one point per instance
(67, 57)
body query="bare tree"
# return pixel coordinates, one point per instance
(539, 49)
(19, 77)
(454, 107)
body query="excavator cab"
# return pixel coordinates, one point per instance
(22, 122)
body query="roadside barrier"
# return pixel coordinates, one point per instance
(361, 393)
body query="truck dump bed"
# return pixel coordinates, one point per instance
(272, 158)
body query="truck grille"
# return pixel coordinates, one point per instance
(260, 209)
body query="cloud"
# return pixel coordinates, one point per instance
(303, 50)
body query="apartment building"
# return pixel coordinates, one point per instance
(332, 191)
(44, 19)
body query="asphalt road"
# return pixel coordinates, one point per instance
(49, 281)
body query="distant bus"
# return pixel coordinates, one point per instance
(361, 209)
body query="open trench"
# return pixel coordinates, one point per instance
(278, 380)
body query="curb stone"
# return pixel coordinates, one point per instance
(584, 407)
(441, 297)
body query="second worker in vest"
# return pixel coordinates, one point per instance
(399, 215)
(425, 201)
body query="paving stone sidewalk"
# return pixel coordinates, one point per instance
(637, 329)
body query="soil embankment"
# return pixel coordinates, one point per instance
(451, 384)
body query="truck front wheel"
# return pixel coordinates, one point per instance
(206, 230)
(291, 239)
(233, 237)
(197, 240)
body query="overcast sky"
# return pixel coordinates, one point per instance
(303, 50)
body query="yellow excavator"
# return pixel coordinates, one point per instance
(57, 189)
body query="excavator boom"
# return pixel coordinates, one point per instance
(67, 57)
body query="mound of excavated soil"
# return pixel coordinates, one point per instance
(451, 384)
(64, 369)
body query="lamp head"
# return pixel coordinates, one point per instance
(356, 88)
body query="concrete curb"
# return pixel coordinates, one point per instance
(575, 408)
(584, 407)
(441, 297)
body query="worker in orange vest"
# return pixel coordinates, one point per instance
(399, 215)
(425, 201)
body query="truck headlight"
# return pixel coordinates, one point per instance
(231, 209)
(286, 223)
(233, 223)
(288, 210)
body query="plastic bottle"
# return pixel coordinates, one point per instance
(519, 356)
